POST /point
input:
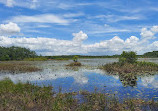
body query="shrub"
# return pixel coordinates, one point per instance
(129, 57)
(75, 58)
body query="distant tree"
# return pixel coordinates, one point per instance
(16, 53)
(128, 57)
(151, 54)
(75, 58)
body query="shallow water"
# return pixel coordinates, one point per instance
(88, 77)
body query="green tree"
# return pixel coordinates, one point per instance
(75, 58)
(15, 53)
(128, 57)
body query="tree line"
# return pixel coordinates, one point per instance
(21, 53)
(15, 53)
(153, 54)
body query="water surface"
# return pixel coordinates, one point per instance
(88, 77)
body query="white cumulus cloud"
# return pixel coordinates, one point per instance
(9, 29)
(52, 46)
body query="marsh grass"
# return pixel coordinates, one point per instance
(74, 64)
(17, 67)
(27, 97)
(135, 68)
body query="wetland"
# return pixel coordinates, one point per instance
(84, 83)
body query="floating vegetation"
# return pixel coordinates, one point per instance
(17, 67)
(27, 97)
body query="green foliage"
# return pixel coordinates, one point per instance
(151, 54)
(129, 57)
(75, 58)
(67, 57)
(36, 59)
(15, 53)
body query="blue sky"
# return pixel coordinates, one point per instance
(87, 27)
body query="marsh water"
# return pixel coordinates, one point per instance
(88, 77)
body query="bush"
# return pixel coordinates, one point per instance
(75, 58)
(128, 57)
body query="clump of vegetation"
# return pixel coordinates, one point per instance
(15, 53)
(75, 63)
(15, 67)
(128, 64)
(27, 97)
(75, 58)
(128, 57)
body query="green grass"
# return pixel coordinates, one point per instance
(27, 97)
(127, 68)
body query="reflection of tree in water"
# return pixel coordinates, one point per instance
(128, 80)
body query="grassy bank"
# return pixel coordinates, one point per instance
(27, 97)
(17, 67)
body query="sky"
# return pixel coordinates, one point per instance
(80, 27)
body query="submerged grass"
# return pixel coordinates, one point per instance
(17, 67)
(27, 97)
(135, 68)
